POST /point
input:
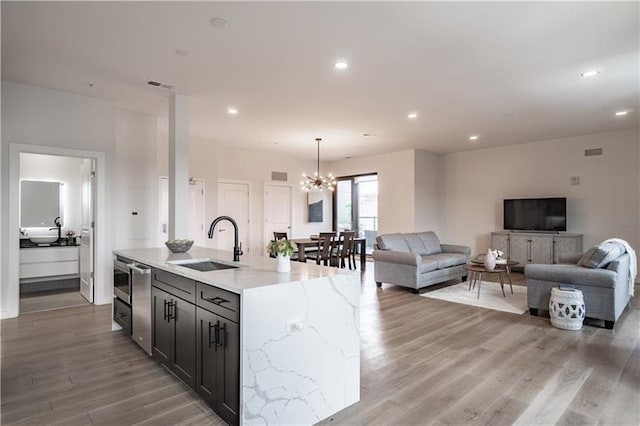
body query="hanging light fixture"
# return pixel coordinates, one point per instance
(317, 182)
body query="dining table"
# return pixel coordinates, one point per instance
(304, 243)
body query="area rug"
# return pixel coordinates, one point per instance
(490, 296)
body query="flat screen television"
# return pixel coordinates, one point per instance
(536, 214)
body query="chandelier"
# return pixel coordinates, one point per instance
(317, 182)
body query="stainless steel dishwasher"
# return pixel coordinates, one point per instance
(141, 305)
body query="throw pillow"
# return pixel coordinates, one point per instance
(597, 257)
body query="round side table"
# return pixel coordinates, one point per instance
(566, 308)
(475, 276)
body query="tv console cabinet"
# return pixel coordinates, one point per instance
(536, 247)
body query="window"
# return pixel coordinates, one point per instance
(355, 206)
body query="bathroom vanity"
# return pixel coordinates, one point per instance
(258, 346)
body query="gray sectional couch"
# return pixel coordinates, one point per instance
(602, 274)
(417, 260)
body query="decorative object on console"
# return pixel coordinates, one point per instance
(318, 182)
(489, 260)
(179, 246)
(70, 237)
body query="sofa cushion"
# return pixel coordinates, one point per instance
(597, 257)
(415, 244)
(395, 242)
(447, 260)
(570, 274)
(431, 242)
(428, 264)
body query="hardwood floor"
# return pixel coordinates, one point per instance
(424, 361)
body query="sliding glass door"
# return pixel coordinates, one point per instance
(355, 206)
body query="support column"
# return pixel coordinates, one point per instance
(178, 167)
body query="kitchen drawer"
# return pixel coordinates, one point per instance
(122, 314)
(176, 285)
(219, 301)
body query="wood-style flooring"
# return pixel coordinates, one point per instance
(424, 361)
(46, 300)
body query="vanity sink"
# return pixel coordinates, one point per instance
(43, 239)
(202, 265)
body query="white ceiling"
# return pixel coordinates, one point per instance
(509, 72)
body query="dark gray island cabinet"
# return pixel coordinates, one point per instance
(196, 335)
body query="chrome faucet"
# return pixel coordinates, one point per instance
(237, 246)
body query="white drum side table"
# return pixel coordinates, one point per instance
(566, 308)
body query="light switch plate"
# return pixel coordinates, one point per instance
(575, 180)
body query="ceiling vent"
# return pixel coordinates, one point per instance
(279, 176)
(593, 151)
(158, 84)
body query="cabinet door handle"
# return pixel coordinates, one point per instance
(216, 329)
(166, 316)
(172, 311)
(121, 315)
(215, 300)
(210, 327)
(222, 335)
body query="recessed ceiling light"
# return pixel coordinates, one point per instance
(232, 111)
(218, 23)
(621, 113)
(412, 115)
(591, 73)
(341, 65)
(473, 138)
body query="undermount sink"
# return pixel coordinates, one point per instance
(203, 265)
(43, 239)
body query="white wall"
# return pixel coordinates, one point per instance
(214, 162)
(428, 178)
(136, 179)
(605, 204)
(60, 169)
(396, 186)
(66, 123)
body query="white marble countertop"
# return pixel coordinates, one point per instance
(253, 271)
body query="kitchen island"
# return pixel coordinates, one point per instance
(297, 333)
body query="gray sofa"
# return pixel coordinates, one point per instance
(417, 260)
(602, 274)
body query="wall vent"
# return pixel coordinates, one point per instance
(593, 151)
(158, 84)
(279, 176)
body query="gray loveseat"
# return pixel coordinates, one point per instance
(417, 260)
(602, 274)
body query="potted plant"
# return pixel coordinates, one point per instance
(282, 249)
(71, 237)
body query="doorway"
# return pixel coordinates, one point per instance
(355, 206)
(56, 250)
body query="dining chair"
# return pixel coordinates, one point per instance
(326, 244)
(280, 235)
(345, 249)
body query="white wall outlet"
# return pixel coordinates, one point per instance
(294, 325)
(575, 180)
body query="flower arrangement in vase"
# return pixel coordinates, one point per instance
(498, 255)
(282, 249)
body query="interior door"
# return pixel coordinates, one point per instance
(87, 230)
(233, 201)
(277, 211)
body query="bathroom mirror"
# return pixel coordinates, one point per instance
(40, 203)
